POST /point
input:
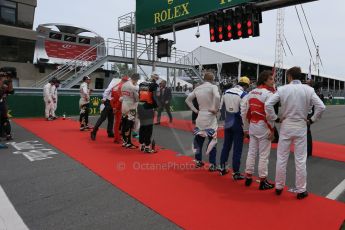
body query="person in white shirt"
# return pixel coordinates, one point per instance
(208, 98)
(296, 99)
(106, 113)
(129, 98)
(84, 103)
(260, 129)
(233, 130)
(48, 99)
(55, 98)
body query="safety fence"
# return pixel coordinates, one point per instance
(28, 102)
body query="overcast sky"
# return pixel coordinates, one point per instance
(326, 18)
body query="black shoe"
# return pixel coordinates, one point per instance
(248, 181)
(199, 164)
(9, 137)
(265, 185)
(223, 172)
(142, 147)
(279, 191)
(93, 135)
(131, 146)
(148, 150)
(212, 168)
(237, 176)
(157, 123)
(110, 134)
(302, 195)
(82, 128)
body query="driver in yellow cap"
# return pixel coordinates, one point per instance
(233, 131)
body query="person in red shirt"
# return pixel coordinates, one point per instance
(116, 105)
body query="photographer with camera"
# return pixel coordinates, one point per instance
(6, 88)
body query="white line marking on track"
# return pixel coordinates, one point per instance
(335, 193)
(9, 218)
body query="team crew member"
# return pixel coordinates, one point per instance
(164, 97)
(107, 112)
(147, 104)
(6, 88)
(48, 99)
(55, 98)
(84, 103)
(117, 106)
(260, 130)
(129, 98)
(233, 131)
(295, 99)
(208, 98)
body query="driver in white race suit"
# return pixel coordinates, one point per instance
(260, 129)
(296, 99)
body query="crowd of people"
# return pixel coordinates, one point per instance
(131, 106)
(247, 113)
(253, 114)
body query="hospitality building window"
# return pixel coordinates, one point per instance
(8, 12)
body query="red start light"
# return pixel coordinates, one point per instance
(229, 27)
(249, 23)
(212, 31)
(239, 25)
(212, 38)
(229, 35)
(220, 29)
(220, 36)
(239, 33)
(250, 31)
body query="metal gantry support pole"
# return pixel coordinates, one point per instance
(168, 78)
(135, 52)
(153, 53)
(279, 51)
(239, 70)
(328, 84)
(257, 71)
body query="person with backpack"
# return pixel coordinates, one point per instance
(147, 104)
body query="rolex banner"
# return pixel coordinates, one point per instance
(152, 14)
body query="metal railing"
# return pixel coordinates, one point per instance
(72, 65)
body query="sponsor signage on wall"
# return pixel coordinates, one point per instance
(55, 49)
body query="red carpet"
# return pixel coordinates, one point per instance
(193, 199)
(320, 149)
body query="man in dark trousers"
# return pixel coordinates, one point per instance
(107, 112)
(146, 106)
(164, 97)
